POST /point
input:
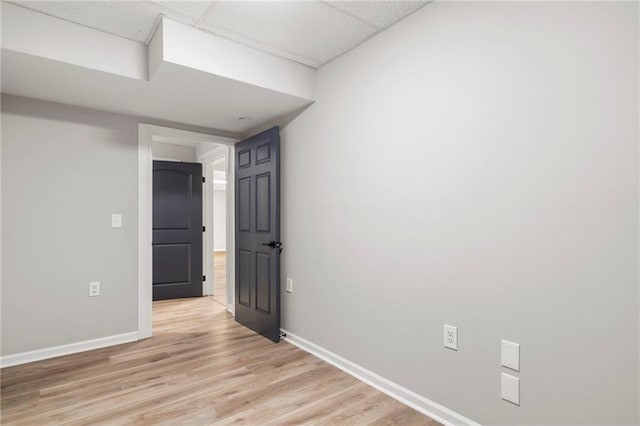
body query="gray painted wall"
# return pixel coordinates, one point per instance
(65, 170)
(173, 152)
(504, 137)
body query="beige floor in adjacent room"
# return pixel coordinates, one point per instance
(200, 367)
(220, 277)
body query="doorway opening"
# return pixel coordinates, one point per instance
(172, 151)
(220, 230)
(218, 224)
(254, 234)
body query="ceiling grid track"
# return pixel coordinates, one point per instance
(312, 33)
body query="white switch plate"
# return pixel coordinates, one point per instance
(94, 288)
(510, 355)
(289, 285)
(511, 388)
(451, 337)
(116, 220)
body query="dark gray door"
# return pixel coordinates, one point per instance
(257, 186)
(177, 230)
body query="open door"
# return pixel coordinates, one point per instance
(258, 247)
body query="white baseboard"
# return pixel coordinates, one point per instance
(72, 348)
(400, 393)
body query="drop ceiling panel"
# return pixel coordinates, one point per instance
(268, 48)
(306, 28)
(311, 32)
(379, 13)
(133, 20)
(192, 9)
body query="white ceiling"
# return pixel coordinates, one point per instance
(311, 32)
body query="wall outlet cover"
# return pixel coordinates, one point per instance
(94, 288)
(510, 355)
(451, 337)
(116, 220)
(511, 388)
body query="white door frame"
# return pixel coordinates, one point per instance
(146, 133)
(207, 161)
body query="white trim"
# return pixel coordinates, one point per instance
(1, 339)
(146, 133)
(186, 137)
(207, 240)
(175, 160)
(230, 167)
(145, 235)
(207, 159)
(72, 348)
(427, 407)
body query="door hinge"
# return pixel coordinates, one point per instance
(204, 278)
(204, 179)
(204, 229)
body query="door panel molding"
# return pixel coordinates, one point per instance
(178, 240)
(258, 233)
(168, 256)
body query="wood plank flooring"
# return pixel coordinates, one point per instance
(200, 367)
(220, 277)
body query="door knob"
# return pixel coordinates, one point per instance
(274, 244)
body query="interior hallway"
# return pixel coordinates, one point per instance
(220, 277)
(201, 367)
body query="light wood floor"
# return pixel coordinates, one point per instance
(220, 277)
(200, 367)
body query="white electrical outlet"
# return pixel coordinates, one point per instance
(511, 388)
(451, 337)
(116, 220)
(510, 355)
(289, 285)
(94, 288)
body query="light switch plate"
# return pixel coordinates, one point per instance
(511, 388)
(451, 337)
(116, 220)
(510, 355)
(289, 285)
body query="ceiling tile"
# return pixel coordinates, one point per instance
(133, 20)
(311, 32)
(257, 44)
(192, 9)
(307, 28)
(379, 13)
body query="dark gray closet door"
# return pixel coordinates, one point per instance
(177, 230)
